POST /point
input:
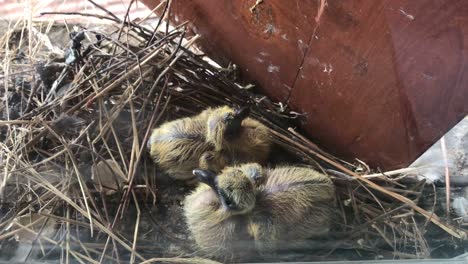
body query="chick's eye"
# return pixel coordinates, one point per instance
(228, 201)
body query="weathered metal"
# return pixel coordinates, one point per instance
(379, 80)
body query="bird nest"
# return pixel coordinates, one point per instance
(77, 182)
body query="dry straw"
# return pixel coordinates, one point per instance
(70, 114)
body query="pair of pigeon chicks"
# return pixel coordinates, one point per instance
(240, 202)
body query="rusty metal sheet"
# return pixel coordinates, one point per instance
(379, 80)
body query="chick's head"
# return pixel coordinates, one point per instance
(223, 123)
(235, 190)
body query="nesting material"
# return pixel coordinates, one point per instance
(88, 108)
(108, 176)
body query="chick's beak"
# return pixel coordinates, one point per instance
(235, 123)
(242, 113)
(207, 177)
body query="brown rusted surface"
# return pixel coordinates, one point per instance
(379, 80)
